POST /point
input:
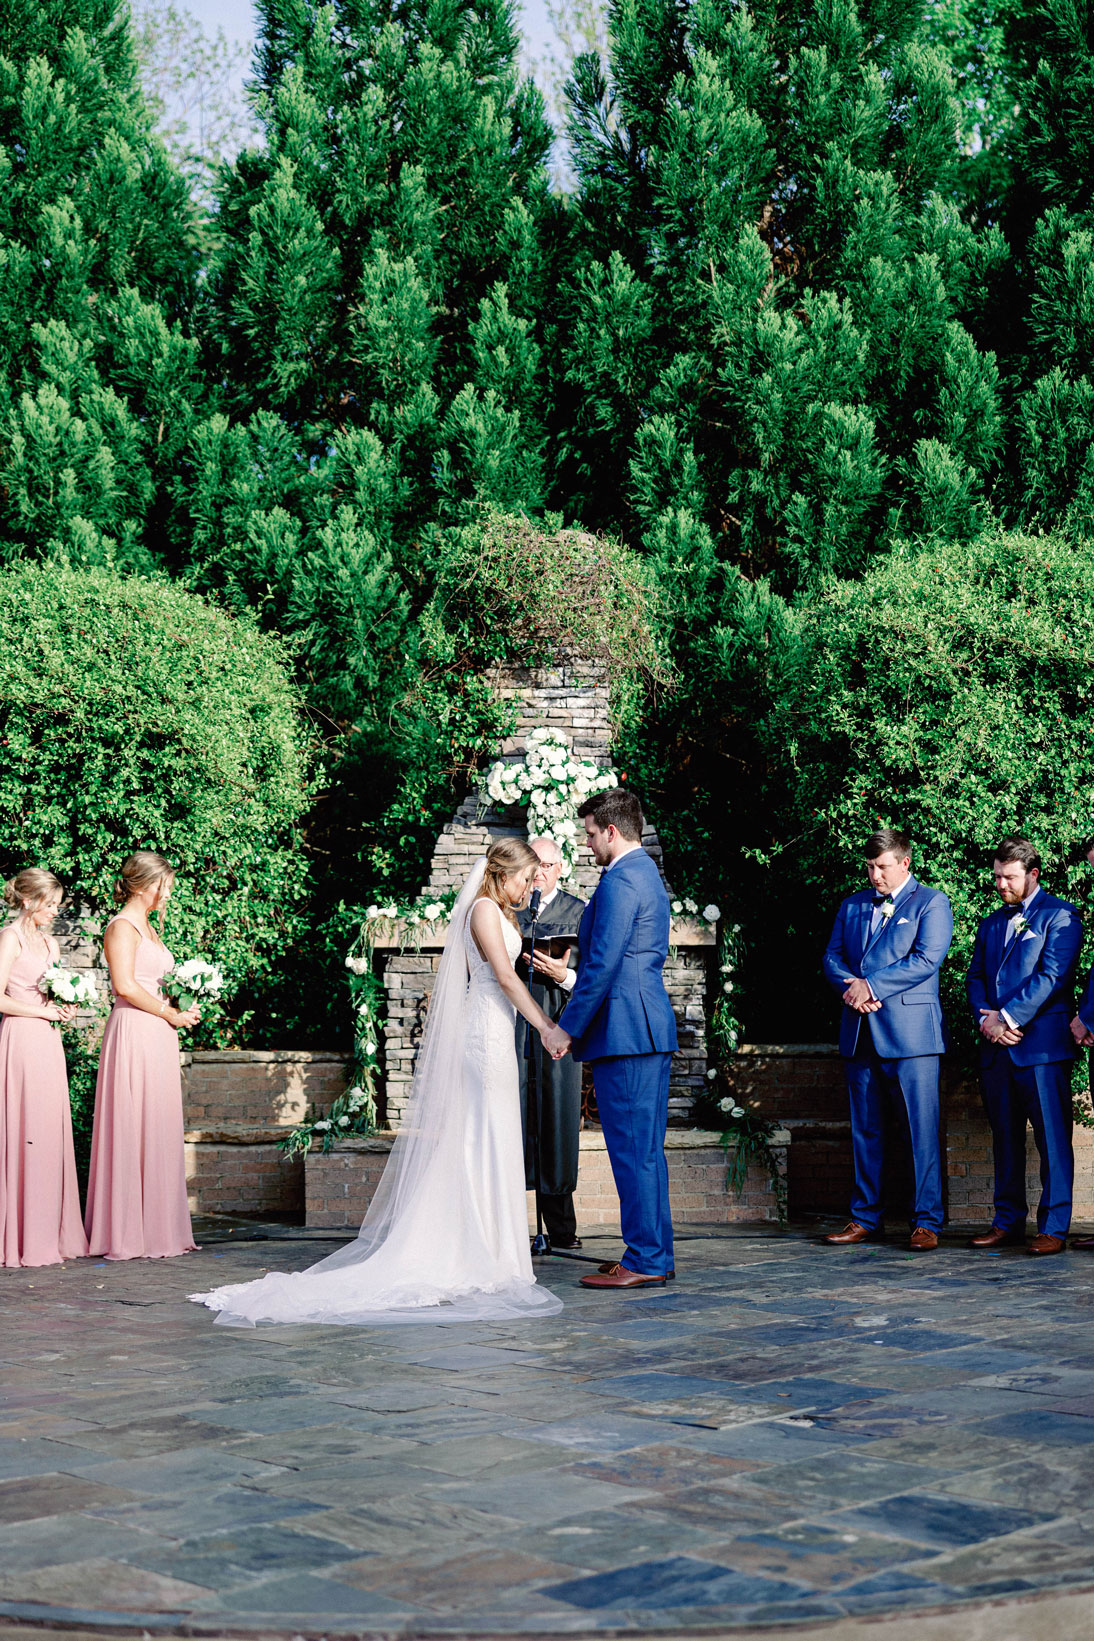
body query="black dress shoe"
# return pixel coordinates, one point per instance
(575, 1242)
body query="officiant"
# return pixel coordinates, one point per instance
(557, 1082)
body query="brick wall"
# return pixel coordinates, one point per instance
(340, 1184)
(801, 1086)
(237, 1104)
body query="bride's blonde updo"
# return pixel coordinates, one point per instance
(26, 891)
(503, 858)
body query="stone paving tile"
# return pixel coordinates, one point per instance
(783, 1434)
(100, 1582)
(938, 1519)
(27, 1499)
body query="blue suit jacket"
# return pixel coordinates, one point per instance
(619, 1004)
(901, 963)
(1033, 978)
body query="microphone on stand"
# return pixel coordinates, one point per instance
(533, 903)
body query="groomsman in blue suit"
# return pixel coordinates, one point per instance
(1021, 986)
(619, 1017)
(1082, 1030)
(886, 949)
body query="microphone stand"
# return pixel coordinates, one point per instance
(541, 1243)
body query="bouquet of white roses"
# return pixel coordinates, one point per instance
(193, 982)
(63, 985)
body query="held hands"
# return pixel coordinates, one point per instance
(1083, 1037)
(62, 1012)
(556, 1042)
(185, 1018)
(996, 1030)
(858, 997)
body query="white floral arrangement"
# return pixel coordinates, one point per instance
(690, 908)
(68, 986)
(192, 982)
(550, 783)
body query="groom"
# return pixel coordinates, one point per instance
(619, 1017)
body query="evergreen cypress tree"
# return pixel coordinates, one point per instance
(373, 305)
(772, 290)
(98, 266)
(766, 362)
(1049, 220)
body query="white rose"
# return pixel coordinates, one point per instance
(711, 1074)
(736, 928)
(322, 1127)
(711, 913)
(370, 1048)
(725, 1105)
(355, 1092)
(372, 911)
(677, 908)
(389, 911)
(691, 907)
(727, 987)
(738, 1111)
(343, 1122)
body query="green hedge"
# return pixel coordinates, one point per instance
(135, 715)
(949, 694)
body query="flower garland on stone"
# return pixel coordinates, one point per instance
(354, 1112)
(550, 783)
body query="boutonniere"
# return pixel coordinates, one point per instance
(1020, 923)
(887, 909)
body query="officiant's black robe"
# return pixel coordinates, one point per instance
(558, 1081)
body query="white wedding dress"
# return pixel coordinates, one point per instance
(446, 1237)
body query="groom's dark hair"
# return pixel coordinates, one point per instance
(880, 843)
(1018, 849)
(618, 808)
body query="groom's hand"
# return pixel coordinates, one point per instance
(859, 997)
(556, 1042)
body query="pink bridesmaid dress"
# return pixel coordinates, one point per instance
(136, 1192)
(39, 1198)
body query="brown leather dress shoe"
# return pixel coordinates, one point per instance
(618, 1276)
(613, 1264)
(923, 1239)
(998, 1238)
(853, 1233)
(1045, 1244)
(1086, 1243)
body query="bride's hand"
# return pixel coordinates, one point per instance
(555, 1041)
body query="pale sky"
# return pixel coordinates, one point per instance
(237, 19)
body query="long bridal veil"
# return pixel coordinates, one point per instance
(445, 1238)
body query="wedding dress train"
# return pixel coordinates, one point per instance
(446, 1237)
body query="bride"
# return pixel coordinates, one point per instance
(446, 1236)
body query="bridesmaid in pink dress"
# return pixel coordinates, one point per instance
(136, 1194)
(39, 1198)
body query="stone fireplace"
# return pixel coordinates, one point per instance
(572, 697)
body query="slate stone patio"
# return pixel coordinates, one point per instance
(788, 1433)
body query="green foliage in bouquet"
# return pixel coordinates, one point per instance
(948, 694)
(133, 715)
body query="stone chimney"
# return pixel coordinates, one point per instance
(573, 697)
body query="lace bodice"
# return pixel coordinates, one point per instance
(478, 967)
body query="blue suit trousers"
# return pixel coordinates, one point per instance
(632, 1098)
(1040, 1095)
(871, 1083)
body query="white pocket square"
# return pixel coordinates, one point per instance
(1030, 934)
(901, 920)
